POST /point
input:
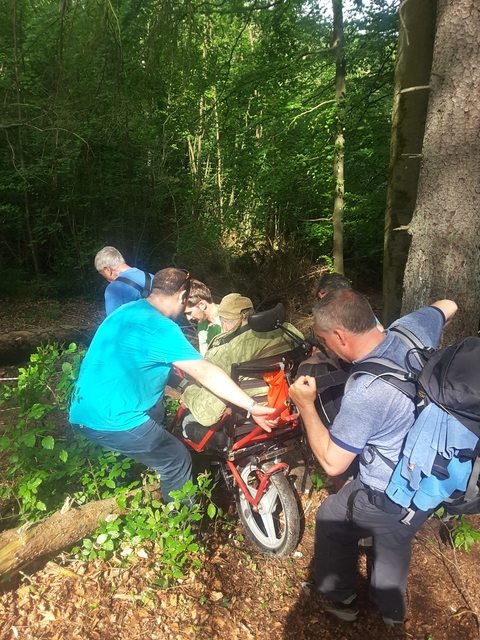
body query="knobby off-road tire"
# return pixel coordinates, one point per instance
(276, 527)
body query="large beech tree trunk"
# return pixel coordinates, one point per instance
(444, 257)
(19, 547)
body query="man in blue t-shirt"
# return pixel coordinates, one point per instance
(374, 416)
(126, 283)
(125, 372)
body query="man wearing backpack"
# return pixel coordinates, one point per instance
(374, 416)
(126, 283)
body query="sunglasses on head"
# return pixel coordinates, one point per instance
(187, 278)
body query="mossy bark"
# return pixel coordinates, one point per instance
(411, 93)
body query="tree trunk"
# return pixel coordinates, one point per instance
(219, 156)
(411, 92)
(338, 162)
(444, 257)
(16, 346)
(28, 222)
(19, 547)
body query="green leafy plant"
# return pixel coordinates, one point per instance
(167, 532)
(171, 407)
(46, 461)
(317, 479)
(38, 460)
(464, 535)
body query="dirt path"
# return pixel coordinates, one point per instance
(238, 594)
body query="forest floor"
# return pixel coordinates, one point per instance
(239, 593)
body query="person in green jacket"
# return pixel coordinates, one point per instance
(238, 343)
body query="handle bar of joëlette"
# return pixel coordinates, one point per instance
(258, 430)
(278, 412)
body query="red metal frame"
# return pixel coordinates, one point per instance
(265, 479)
(257, 435)
(209, 433)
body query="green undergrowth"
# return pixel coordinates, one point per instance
(45, 463)
(464, 536)
(167, 534)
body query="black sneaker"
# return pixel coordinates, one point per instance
(346, 610)
(390, 622)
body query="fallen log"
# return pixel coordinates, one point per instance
(19, 547)
(16, 346)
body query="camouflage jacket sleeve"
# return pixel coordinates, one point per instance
(204, 405)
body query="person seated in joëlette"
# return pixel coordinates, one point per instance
(238, 343)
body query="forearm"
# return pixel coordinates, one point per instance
(320, 442)
(217, 381)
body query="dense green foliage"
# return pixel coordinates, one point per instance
(196, 134)
(46, 465)
(165, 533)
(42, 463)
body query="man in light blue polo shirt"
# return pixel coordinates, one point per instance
(125, 372)
(373, 420)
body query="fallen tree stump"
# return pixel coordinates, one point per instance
(19, 547)
(16, 346)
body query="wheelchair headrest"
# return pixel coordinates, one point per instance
(268, 320)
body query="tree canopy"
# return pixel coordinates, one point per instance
(197, 134)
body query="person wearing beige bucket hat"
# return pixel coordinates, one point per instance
(238, 343)
(234, 310)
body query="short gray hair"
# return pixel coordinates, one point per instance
(108, 257)
(344, 309)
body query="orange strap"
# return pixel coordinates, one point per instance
(277, 391)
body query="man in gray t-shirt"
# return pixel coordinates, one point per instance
(372, 413)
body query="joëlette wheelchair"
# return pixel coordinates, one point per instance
(249, 458)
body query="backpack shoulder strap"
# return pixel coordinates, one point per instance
(143, 291)
(417, 349)
(402, 380)
(472, 487)
(148, 285)
(406, 336)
